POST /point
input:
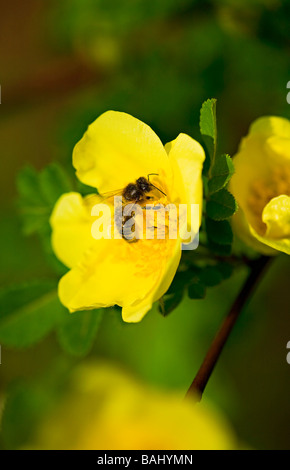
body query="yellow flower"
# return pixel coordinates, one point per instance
(104, 408)
(261, 185)
(116, 150)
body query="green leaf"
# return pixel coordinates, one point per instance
(219, 249)
(221, 205)
(221, 172)
(211, 276)
(38, 192)
(205, 185)
(84, 189)
(226, 269)
(208, 128)
(174, 295)
(52, 260)
(77, 333)
(25, 406)
(28, 312)
(219, 231)
(179, 282)
(33, 207)
(53, 183)
(169, 302)
(196, 289)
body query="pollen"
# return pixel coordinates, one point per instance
(151, 255)
(155, 244)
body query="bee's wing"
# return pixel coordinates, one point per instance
(92, 199)
(109, 194)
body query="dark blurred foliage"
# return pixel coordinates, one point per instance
(63, 64)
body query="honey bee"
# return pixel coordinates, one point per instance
(132, 193)
(135, 192)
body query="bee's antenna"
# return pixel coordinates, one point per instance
(158, 189)
(152, 174)
(155, 174)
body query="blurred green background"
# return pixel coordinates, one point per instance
(63, 64)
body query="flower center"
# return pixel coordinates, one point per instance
(153, 218)
(263, 190)
(151, 234)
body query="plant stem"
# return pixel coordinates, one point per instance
(201, 379)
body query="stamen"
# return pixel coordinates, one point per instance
(263, 190)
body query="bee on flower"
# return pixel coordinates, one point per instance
(119, 153)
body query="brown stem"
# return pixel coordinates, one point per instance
(200, 381)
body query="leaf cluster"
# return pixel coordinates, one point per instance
(211, 263)
(30, 311)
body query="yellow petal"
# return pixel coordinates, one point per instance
(116, 272)
(136, 311)
(271, 125)
(261, 185)
(279, 149)
(272, 136)
(186, 156)
(251, 166)
(116, 150)
(260, 164)
(104, 407)
(282, 245)
(248, 235)
(71, 223)
(276, 216)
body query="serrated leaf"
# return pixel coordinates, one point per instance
(208, 128)
(77, 333)
(28, 312)
(221, 205)
(219, 231)
(221, 172)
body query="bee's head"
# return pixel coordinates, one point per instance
(143, 184)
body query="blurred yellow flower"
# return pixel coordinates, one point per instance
(106, 409)
(261, 185)
(116, 150)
